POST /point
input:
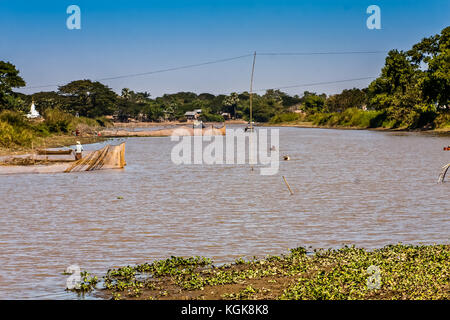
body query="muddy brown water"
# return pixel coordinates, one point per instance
(350, 187)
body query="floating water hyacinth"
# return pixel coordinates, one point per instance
(392, 272)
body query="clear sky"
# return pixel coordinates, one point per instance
(127, 37)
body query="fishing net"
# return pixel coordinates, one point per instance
(443, 173)
(109, 157)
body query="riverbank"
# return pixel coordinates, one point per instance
(310, 124)
(392, 272)
(53, 141)
(168, 123)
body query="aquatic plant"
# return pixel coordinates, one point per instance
(402, 272)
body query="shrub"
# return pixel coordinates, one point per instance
(351, 117)
(103, 121)
(210, 117)
(57, 120)
(11, 136)
(16, 119)
(442, 120)
(419, 116)
(286, 117)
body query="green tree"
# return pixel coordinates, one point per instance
(132, 105)
(313, 103)
(88, 98)
(9, 79)
(230, 103)
(436, 85)
(49, 100)
(348, 98)
(400, 78)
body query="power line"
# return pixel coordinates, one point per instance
(152, 72)
(319, 53)
(175, 68)
(218, 61)
(317, 83)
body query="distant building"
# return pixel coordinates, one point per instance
(33, 114)
(193, 115)
(297, 108)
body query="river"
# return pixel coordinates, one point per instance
(367, 188)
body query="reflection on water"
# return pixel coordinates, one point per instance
(350, 187)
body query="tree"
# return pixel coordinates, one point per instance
(132, 104)
(49, 100)
(398, 76)
(89, 99)
(436, 85)
(9, 79)
(230, 103)
(313, 103)
(348, 98)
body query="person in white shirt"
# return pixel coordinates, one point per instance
(78, 151)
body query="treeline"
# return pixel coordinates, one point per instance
(412, 91)
(90, 99)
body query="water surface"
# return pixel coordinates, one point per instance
(350, 187)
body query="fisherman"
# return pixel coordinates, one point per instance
(78, 151)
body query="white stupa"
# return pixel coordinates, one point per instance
(33, 114)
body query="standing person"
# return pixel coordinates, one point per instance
(78, 151)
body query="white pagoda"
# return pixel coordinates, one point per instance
(33, 114)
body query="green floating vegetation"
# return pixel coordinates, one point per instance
(393, 272)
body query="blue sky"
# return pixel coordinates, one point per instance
(127, 37)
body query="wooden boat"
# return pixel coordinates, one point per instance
(54, 152)
(447, 148)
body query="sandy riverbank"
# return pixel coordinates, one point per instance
(168, 123)
(55, 141)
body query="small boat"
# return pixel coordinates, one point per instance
(53, 152)
(250, 127)
(447, 148)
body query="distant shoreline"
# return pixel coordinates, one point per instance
(311, 125)
(143, 124)
(67, 140)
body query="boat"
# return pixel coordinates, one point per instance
(250, 124)
(53, 152)
(447, 148)
(250, 127)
